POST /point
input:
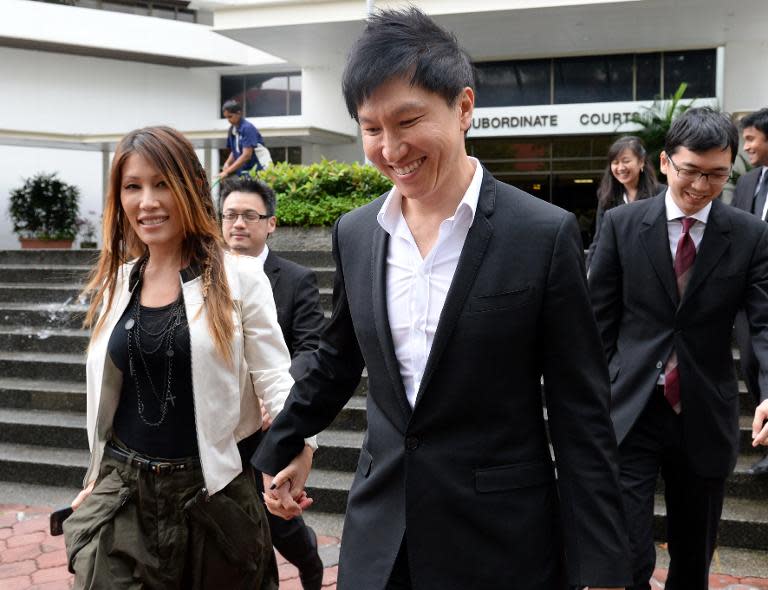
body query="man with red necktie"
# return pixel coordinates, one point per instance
(666, 284)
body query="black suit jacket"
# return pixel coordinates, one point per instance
(744, 196)
(299, 312)
(641, 317)
(467, 475)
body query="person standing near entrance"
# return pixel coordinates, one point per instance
(668, 276)
(248, 219)
(629, 176)
(751, 191)
(458, 293)
(243, 141)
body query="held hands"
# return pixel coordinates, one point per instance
(84, 493)
(760, 425)
(284, 494)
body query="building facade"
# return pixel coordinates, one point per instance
(557, 80)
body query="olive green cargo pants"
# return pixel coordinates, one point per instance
(139, 530)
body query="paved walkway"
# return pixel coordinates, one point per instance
(30, 559)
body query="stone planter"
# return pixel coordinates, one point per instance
(36, 244)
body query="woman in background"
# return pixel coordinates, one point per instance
(185, 349)
(629, 176)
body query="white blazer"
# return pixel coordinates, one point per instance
(226, 399)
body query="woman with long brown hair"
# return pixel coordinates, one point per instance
(184, 350)
(629, 176)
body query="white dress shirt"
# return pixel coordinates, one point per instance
(262, 257)
(416, 286)
(757, 190)
(675, 225)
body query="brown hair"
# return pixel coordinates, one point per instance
(175, 159)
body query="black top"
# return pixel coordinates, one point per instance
(175, 436)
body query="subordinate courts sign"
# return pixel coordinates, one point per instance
(561, 119)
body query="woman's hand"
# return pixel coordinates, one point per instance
(83, 495)
(284, 494)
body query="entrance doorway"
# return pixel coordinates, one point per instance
(565, 171)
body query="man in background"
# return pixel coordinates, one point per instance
(667, 278)
(248, 218)
(751, 191)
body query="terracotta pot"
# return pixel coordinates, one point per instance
(35, 243)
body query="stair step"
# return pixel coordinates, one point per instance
(40, 292)
(43, 465)
(744, 523)
(43, 428)
(46, 366)
(47, 315)
(31, 339)
(49, 257)
(44, 273)
(338, 450)
(33, 394)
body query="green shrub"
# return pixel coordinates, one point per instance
(319, 193)
(46, 208)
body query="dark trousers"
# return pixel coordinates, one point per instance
(400, 578)
(693, 503)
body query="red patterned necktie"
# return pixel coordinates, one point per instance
(684, 259)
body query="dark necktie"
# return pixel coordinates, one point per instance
(684, 259)
(760, 195)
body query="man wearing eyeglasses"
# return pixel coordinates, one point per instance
(666, 284)
(248, 219)
(750, 196)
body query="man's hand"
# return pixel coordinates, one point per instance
(760, 425)
(284, 493)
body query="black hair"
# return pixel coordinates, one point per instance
(758, 120)
(232, 106)
(610, 191)
(702, 129)
(408, 44)
(246, 184)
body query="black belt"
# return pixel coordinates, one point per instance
(156, 466)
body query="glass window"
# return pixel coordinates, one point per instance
(294, 95)
(696, 68)
(512, 83)
(648, 76)
(604, 78)
(264, 95)
(232, 88)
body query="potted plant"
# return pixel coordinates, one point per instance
(87, 232)
(44, 212)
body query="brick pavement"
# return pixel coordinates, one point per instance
(30, 559)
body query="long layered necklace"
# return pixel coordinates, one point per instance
(139, 350)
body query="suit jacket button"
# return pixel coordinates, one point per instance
(659, 365)
(412, 443)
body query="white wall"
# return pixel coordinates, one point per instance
(57, 93)
(82, 169)
(746, 83)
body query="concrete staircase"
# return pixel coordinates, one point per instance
(43, 444)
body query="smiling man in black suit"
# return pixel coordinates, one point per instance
(458, 293)
(666, 284)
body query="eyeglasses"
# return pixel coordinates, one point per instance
(689, 175)
(249, 216)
